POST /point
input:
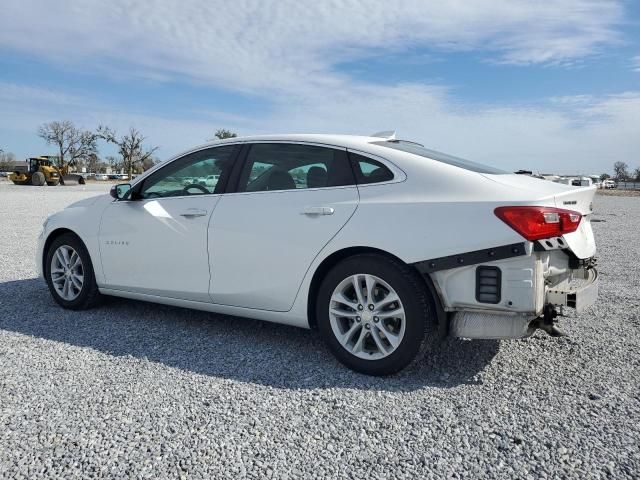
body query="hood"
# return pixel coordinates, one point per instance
(87, 202)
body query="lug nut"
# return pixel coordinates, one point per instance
(360, 307)
(371, 307)
(358, 319)
(367, 326)
(376, 319)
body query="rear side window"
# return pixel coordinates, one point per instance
(368, 170)
(283, 166)
(418, 149)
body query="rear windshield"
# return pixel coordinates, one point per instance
(418, 149)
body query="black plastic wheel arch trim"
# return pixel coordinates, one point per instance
(471, 258)
(441, 315)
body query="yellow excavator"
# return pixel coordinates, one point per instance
(40, 170)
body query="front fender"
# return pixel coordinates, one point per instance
(83, 219)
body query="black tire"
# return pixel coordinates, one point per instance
(38, 179)
(89, 295)
(421, 322)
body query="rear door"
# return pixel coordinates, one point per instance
(290, 200)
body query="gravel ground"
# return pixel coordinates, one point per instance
(146, 391)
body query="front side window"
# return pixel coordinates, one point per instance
(197, 173)
(282, 166)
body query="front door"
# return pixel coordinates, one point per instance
(156, 242)
(291, 199)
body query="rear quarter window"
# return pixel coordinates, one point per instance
(368, 170)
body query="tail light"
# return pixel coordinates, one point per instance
(535, 223)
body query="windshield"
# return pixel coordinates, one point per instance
(418, 149)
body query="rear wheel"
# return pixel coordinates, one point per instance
(373, 312)
(69, 273)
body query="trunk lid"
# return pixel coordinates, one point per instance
(579, 199)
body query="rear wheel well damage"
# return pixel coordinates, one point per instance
(336, 257)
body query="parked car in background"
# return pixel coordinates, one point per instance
(102, 176)
(575, 181)
(595, 180)
(211, 180)
(609, 184)
(386, 247)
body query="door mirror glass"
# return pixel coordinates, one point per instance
(120, 191)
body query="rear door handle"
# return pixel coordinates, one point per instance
(193, 212)
(318, 211)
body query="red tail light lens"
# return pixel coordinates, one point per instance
(535, 223)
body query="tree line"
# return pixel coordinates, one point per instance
(621, 173)
(78, 148)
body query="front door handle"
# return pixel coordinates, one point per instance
(318, 211)
(193, 212)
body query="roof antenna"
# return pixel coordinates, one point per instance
(386, 134)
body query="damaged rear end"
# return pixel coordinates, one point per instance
(527, 285)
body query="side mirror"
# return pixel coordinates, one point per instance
(120, 191)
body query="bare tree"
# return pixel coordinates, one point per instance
(73, 144)
(129, 146)
(92, 163)
(222, 133)
(115, 163)
(636, 174)
(150, 163)
(7, 160)
(621, 170)
(604, 177)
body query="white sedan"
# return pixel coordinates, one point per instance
(381, 245)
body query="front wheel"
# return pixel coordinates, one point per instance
(374, 314)
(69, 273)
(38, 179)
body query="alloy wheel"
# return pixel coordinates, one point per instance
(367, 316)
(67, 273)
